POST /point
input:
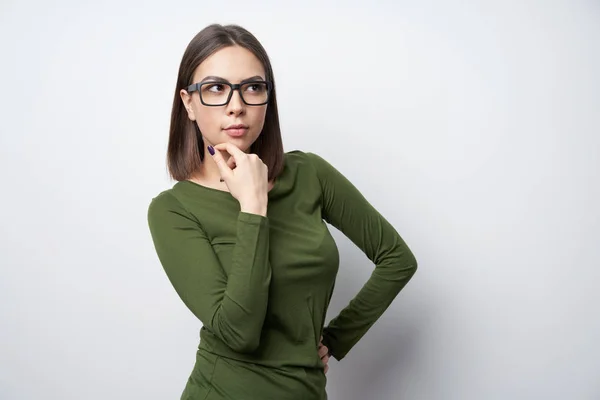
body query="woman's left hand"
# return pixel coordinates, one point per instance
(324, 354)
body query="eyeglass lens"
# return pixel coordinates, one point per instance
(217, 93)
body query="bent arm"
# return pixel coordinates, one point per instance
(233, 307)
(344, 207)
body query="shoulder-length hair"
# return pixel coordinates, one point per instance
(186, 147)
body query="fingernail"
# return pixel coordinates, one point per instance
(211, 150)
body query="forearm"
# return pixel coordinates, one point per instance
(351, 324)
(240, 316)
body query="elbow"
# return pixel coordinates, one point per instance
(407, 267)
(402, 261)
(241, 336)
(412, 266)
(245, 345)
(241, 339)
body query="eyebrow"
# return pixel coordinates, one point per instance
(219, 79)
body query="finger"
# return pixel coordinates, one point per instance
(326, 368)
(325, 359)
(323, 351)
(232, 149)
(231, 163)
(225, 171)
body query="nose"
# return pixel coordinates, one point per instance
(236, 104)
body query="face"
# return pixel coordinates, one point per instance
(233, 64)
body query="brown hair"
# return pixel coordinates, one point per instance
(186, 147)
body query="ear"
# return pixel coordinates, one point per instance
(186, 98)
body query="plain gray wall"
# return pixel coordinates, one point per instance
(474, 128)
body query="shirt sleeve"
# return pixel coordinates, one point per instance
(233, 307)
(344, 207)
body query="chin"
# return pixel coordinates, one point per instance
(242, 142)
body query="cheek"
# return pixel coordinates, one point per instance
(257, 118)
(208, 121)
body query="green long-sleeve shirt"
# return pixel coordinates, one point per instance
(261, 285)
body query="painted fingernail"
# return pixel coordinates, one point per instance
(211, 150)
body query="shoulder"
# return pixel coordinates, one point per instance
(310, 161)
(165, 202)
(163, 198)
(306, 158)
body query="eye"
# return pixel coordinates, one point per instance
(256, 87)
(215, 87)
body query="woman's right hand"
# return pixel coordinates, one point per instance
(248, 182)
(324, 354)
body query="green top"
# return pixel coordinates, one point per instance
(261, 285)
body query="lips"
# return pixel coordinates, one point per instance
(237, 126)
(236, 132)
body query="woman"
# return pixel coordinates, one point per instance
(242, 234)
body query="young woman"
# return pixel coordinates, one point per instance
(242, 234)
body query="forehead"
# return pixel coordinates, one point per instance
(233, 63)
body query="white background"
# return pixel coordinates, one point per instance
(474, 128)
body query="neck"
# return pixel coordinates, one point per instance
(208, 171)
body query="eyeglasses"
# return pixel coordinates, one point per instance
(252, 93)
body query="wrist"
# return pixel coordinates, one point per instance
(254, 208)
